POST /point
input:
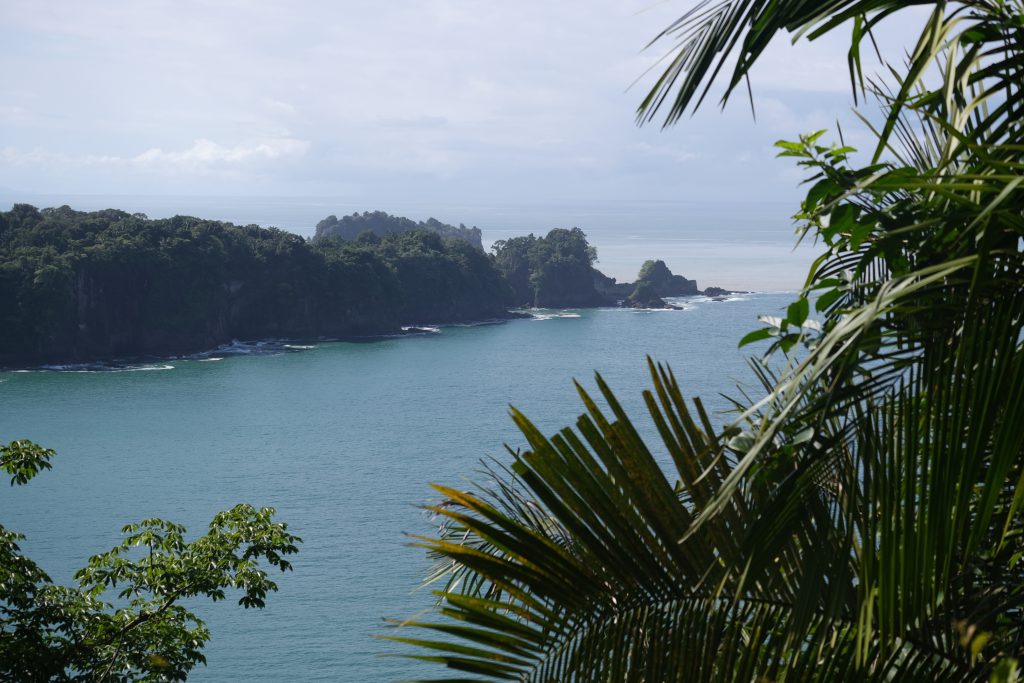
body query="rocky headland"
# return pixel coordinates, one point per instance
(82, 287)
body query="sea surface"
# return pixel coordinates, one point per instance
(343, 439)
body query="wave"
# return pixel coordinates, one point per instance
(419, 330)
(553, 316)
(249, 348)
(112, 366)
(480, 323)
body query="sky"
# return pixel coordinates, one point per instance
(442, 100)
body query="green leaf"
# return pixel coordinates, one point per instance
(756, 336)
(797, 312)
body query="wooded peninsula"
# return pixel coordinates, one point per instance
(81, 286)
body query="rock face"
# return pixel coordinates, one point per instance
(610, 289)
(645, 296)
(718, 291)
(663, 283)
(654, 282)
(383, 224)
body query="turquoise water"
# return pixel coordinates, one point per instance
(342, 439)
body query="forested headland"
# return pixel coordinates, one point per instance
(78, 286)
(106, 284)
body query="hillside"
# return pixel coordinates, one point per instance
(80, 286)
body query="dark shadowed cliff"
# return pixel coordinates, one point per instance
(81, 286)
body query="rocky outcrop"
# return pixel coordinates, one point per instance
(654, 282)
(645, 296)
(610, 289)
(663, 282)
(717, 292)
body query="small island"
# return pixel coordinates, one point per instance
(89, 286)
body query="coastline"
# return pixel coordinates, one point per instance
(241, 347)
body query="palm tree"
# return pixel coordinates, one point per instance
(864, 519)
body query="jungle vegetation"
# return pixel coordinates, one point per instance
(108, 284)
(63, 634)
(861, 516)
(382, 224)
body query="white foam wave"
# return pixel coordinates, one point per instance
(101, 367)
(249, 348)
(553, 316)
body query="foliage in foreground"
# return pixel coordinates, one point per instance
(861, 521)
(58, 633)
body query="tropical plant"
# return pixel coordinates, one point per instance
(57, 633)
(863, 519)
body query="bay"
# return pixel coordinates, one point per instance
(343, 440)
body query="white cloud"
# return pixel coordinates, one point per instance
(502, 98)
(202, 155)
(205, 152)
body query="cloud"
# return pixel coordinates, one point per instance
(205, 152)
(202, 155)
(434, 98)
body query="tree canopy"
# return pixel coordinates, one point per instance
(106, 284)
(50, 632)
(381, 224)
(551, 271)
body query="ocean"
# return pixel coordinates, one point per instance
(343, 438)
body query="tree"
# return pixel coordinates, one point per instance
(58, 633)
(863, 519)
(551, 271)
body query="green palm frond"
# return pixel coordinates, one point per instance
(864, 519)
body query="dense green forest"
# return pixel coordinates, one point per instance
(77, 285)
(382, 224)
(555, 270)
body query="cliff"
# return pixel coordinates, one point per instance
(82, 286)
(663, 283)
